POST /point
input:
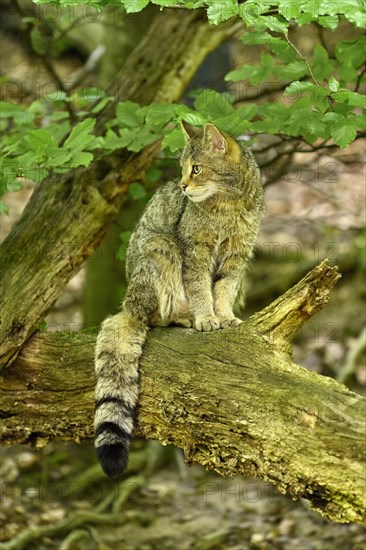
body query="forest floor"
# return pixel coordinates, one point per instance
(176, 508)
(58, 498)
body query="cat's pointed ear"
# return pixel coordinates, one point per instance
(214, 138)
(188, 130)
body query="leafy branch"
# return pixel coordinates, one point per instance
(316, 106)
(30, 30)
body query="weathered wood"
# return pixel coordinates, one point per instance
(77, 208)
(232, 400)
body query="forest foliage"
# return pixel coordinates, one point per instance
(320, 103)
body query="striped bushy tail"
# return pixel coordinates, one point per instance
(118, 349)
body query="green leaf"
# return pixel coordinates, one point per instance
(283, 50)
(174, 140)
(26, 159)
(256, 37)
(34, 173)
(358, 18)
(320, 101)
(317, 127)
(181, 109)
(333, 84)
(291, 71)
(351, 98)
(297, 88)
(221, 11)
(193, 118)
(86, 97)
(159, 114)
(276, 23)
(56, 116)
(17, 112)
(344, 131)
(347, 73)
(304, 18)
(59, 129)
(266, 126)
(167, 3)
(319, 7)
(354, 11)
(130, 114)
(133, 6)
(194, 4)
(254, 73)
(136, 139)
(9, 169)
(306, 121)
(41, 140)
(321, 65)
(351, 51)
(289, 9)
(250, 12)
(58, 157)
(80, 137)
(299, 119)
(112, 141)
(57, 97)
(211, 104)
(274, 110)
(136, 190)
(80, 158)
(233, 124)
(247, 112)
(329, 21)
(342, 109)
(101, 104)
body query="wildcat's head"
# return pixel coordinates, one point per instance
(211, 164)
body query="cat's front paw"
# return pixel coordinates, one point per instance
(230, 322)
(206, 324)
(183, 322)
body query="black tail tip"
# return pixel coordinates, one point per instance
(113, 459)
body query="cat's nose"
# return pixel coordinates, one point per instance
(183, 185)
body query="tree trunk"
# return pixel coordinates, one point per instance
(104, 273)
(78, 207)
(232, 400)
(105, 279)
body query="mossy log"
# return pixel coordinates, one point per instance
(77, 207)
(233, 400)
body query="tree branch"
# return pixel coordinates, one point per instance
(232, 400)
(43, 57)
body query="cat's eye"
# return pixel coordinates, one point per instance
(196, 169)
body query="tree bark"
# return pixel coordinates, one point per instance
(104, 272)
(68, 216)
(233, 400)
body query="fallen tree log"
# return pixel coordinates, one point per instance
(233, 400)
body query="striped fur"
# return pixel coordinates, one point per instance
(118, 349)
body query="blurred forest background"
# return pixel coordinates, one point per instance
(315, 208)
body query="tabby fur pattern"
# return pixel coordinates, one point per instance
(185, 265)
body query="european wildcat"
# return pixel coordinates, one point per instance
(185, 265)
